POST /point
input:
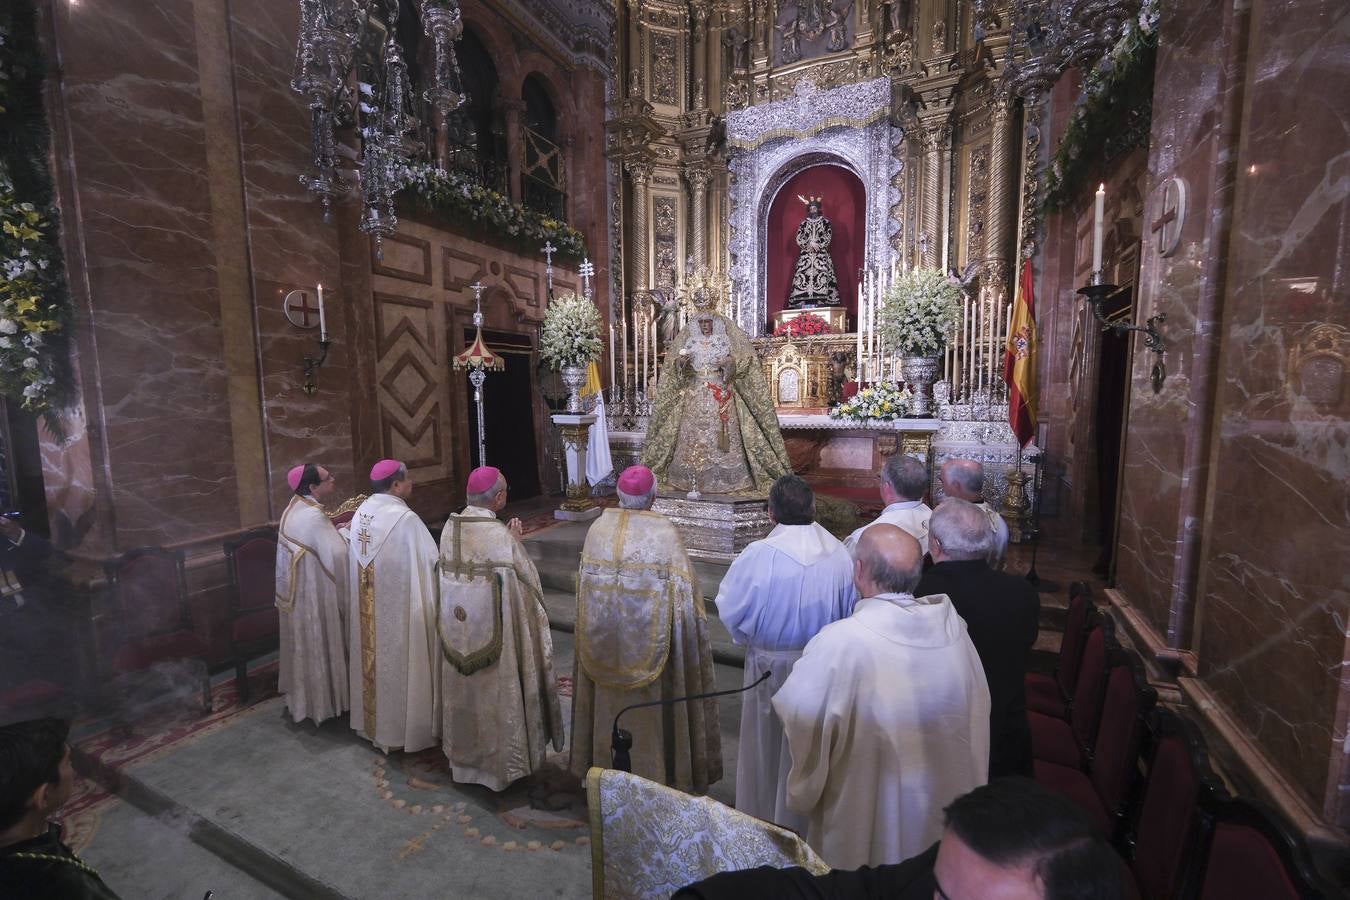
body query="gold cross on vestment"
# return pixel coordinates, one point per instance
(364, 537)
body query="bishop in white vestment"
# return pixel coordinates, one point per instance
(500, 705)
(642, 635)
(312, 586)
(775, 597)
(395, 702)
(886, 715)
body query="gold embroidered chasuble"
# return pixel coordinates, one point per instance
(500, 705)
(642, 634)
(312, 598)
(713, 424)
(394, 692)
(648, 840)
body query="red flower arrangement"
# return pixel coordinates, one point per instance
(805, 325)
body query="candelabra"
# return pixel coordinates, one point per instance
(313, 362)
(1096, 294)
(331, 31)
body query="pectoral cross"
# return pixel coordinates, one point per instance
(586, 270)
(549, 250)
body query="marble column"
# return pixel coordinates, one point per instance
(512, 112)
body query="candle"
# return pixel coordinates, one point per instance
(611, 362)
(323, 325)
(858, 323)
(1099, 219)
(969, 340)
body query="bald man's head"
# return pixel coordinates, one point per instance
(889, 561)
(962, 479)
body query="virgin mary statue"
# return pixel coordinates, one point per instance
(713, 427)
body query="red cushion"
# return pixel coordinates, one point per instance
(1052, 740)
(1115, 754)
(1071, 648)
(1043, 696)
(255, 567)
(256, 626)
(1166, 819)
(1242, 863)
(1087, 695)
(30, 693)
(136, 655)
(1076, 786)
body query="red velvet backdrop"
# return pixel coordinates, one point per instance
(844, 205)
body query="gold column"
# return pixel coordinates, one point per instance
(640, 171)
(936, 138)
(698, 178)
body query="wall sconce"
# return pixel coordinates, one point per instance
(1096, 294)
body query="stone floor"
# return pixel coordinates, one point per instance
(250, 805)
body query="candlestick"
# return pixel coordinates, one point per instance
(611, 362)
(970, 352)
(323, 325)
(858, 327)
(1099, 219)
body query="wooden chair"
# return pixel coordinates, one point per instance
(255, 629)
(147, 589)
(1164, 838)
(1070, 743)
(1250, 850)
(344, 514)
(1050, 694)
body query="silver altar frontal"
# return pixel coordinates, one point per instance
(716, 527)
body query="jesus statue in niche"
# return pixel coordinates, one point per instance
(813, 281)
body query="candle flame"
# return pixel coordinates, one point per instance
(1101, 188)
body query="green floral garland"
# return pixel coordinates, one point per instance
(35, 304)
(1112, 113)
(461, 196)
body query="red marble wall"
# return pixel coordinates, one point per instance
(1236, 519)
(1275, 594)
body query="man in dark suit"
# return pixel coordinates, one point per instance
(1002, 613)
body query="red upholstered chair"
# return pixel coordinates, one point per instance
(251, 559)
(344, 514)
(1104, 791)
(1050, 694)
(148, 593)
(1166, 832)
(1070, 743)
(1251, 851)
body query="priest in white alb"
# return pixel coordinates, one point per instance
(775, 597)
(312, 580)
(642, 635)
(886, 715)
(395, 702)
(903, 482)
(499, 707)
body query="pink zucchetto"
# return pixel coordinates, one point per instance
(294, 475)
(483, 479)
(384, 468)
(636, 481)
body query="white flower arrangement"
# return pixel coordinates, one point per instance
(30, 303)
(571, 332)
(918, 313)
(883, 402)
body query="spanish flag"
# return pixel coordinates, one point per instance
(1019, 361)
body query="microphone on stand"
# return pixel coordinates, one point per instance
(621, 739)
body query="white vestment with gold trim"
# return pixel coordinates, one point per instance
(312, 580)
(642, 635)
(393, 660)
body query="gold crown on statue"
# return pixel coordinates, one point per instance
(704, 289)
(807, 201)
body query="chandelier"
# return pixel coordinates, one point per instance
(1046, 37)
(372, 95)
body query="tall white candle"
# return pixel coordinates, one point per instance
(1098, 221)
(858, 327)
(323, 325)
(970, 347)
(611, 362)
